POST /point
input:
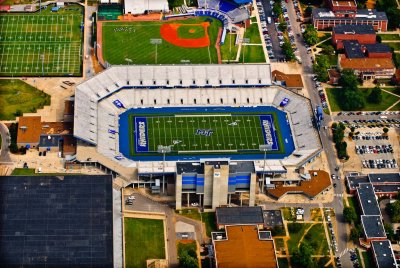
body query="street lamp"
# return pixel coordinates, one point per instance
(244, 41)
(264, 148)
(163, 150)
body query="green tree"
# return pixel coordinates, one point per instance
(393, 210)
(375, 96)
(389, 231)
(328, 50)
(187, 261)
(378, 39)
(277, 9)
(355, 234)
(310, 35)
(294, 227)
(13, 148)
(348, 80)
(349, 214)
(288, 50)
(385, 130)
(352, 100)
(18, 112)
(352, 129)
(282, 26)
(307, 11)
(302, 256)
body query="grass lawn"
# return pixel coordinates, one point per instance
(396, 107)
(332, 59)
(392, 89)
(317, 240)
(354, 205)
(23, 171)
(293, 242)
(253, 33)
(17, 95)
(395, 46)
(253, 19)
(144, 239)
(368, 260)
(316, 214)
(389, 36)
(287, 214)
(229, 49)
(252, 54)
(283, 263)
(208, 218)
(134, 43)
(387, 100)
(323, 36)
(42, 44)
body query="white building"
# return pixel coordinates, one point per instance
(136, 7)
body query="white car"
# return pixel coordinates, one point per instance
(194, 204)
(131, 197)
(333, 176)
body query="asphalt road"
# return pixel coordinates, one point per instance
(326, 137)
(5, 138)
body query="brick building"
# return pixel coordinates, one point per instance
(364, 34)
(346, 13)
(368, 68)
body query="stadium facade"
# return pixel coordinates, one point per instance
(101, 102)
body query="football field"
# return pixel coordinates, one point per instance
(133, 42)
(204, 133)
(41, 44)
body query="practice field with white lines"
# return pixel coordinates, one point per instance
(197, 133)
(46, 44)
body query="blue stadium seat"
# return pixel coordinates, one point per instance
(226, 6)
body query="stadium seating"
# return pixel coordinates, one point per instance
(225, 6)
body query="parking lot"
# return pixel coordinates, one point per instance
(375, 151)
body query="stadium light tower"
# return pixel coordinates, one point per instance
(156, 41)
(163, 150)
(264, 148)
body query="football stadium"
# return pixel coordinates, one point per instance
(197, 111)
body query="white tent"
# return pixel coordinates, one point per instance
(141, 6)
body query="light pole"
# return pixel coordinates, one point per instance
(264, 148)
(244, 41)
(156, 41)
(163, 150)
(128, 60)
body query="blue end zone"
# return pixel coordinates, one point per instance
(267, 124)
(141, 136)
(125, 137)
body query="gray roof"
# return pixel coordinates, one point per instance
(373, 226)
(368, 203)
(353, 29)
(189, 167)
(353, 49)
(383, 254)
(384, 178)
(241, 166)
(197, 167)
(354, 181)
(239, 215)
(377, 48)
(362, 14)
(387, 188)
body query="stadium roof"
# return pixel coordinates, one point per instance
(56, 221)
(353, 29)
(366, 195)
(383, 254)
(244, 248)
(141, 6)
(239, 215)
(373, 226)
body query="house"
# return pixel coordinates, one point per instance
(346, 13)
(364, 34)
(239, 215)
(244, 246)
(289, 81)
(334, 76)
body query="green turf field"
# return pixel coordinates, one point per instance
(41, 44)
(144, 239)
(134, 43)
(229, 133)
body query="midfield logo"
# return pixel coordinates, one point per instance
(204, 132)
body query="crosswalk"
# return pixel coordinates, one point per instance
(338, 195)
(344, 252)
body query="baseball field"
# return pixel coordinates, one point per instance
(41, 44)
(178, 41)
